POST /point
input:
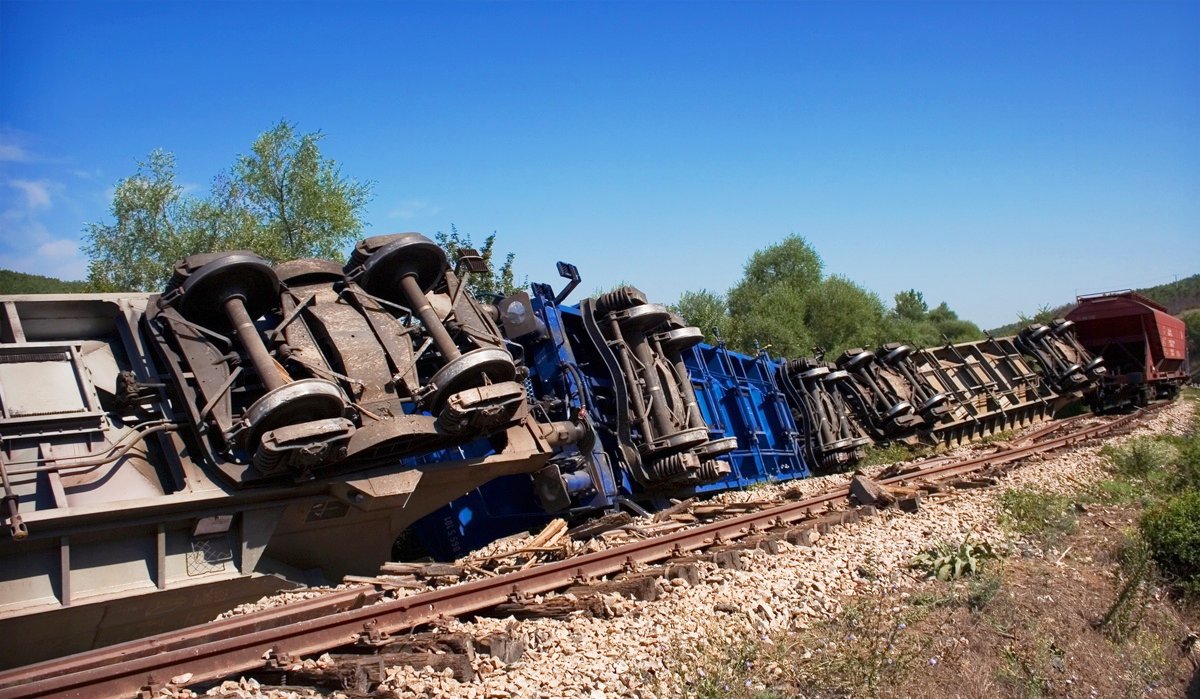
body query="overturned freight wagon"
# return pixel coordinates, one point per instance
(1143, 346)
(674, 417)
(253, 428)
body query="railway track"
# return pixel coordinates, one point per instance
(238, 644)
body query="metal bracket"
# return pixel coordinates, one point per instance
(568, 271)
(372, 636)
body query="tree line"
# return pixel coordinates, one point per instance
(787, 305)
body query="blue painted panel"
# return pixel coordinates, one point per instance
(738, 397)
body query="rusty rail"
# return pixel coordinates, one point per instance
(213, 651)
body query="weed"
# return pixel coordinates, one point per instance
(892, 453)
(732, 674)
(1044, 516)
(1172, 531)
(982, 590)
(1022, 673)
(1028, 666)
(869, 569)
(1141, 456)
(1125, 614)
(1115, 492)
(996, 437)
(945, 561)
(869, 649)
(865, 652)
(1148, 656)
(933, 599)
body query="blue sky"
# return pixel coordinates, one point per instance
(995, 156)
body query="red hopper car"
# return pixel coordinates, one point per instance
(1144, 347)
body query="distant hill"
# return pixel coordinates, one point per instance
(21, 283)
(1179, 297)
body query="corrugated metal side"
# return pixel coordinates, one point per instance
(1171, 336)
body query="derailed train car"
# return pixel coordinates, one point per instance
(1144, 347)
(252, 428)
(257, 427)
(674, 416)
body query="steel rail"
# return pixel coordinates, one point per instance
(237, 648)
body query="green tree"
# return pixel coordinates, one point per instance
(299, 201)
(951, 327)
(706, 310)
(137, 250)
(284, 200)
(911, 305)
(1191, 321)
(785, 303)
(1045, 314)
(495, 280)
(842, 314)
(12, 282)
(768, 305)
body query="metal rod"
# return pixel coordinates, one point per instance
(636, 397)
(429, 318)
(657, 401)
(253, 344)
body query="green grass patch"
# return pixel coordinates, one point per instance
(892, 453)
(1116, 492)
(1042, 516)
(1142, 456)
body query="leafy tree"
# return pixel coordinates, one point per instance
(785, 303)
(951, 327)
(706, 310)
(768, 305)
(494, 281)
(283, 201)
(1191, 321)
(299, 201)
(911, 305)
(137, 251)
(21, 283)
(916, 333)
(841, 314)
(1045, 314)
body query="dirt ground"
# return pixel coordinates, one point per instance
(1040, 633)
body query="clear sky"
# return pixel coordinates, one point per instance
(995, 156)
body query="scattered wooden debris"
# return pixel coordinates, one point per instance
(596, 527)
(553, 607)
(423, 570)
(679, 506)
(504, 646)
(867, 492)
(977, 482)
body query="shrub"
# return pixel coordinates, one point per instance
(1141, 456)
(1172, 529)
(1186, 474)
